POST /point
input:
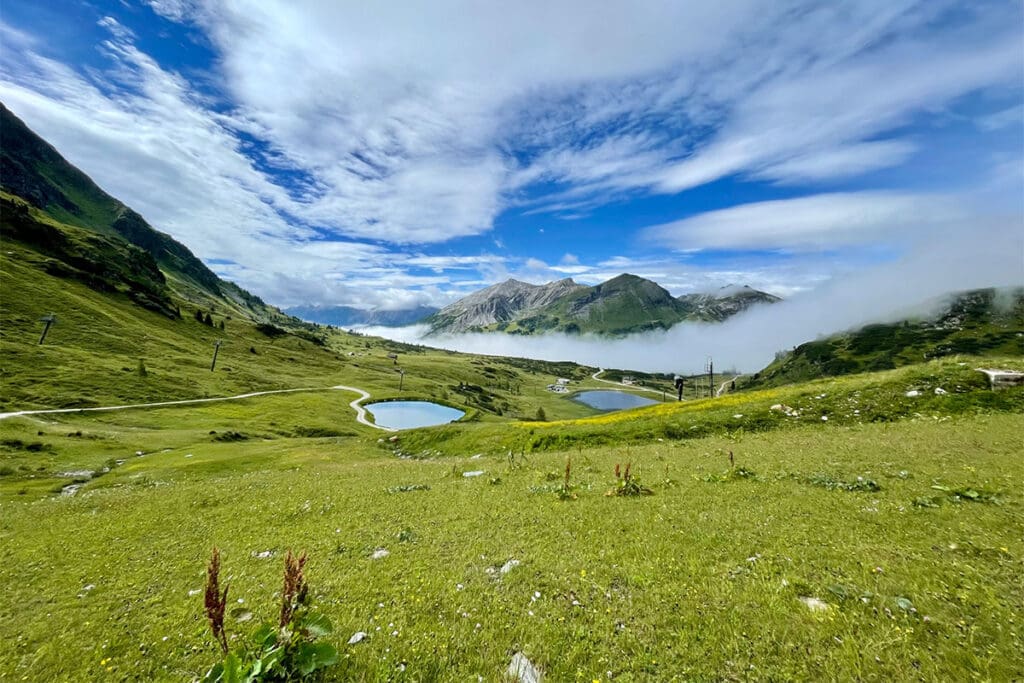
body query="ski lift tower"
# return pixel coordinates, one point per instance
(47, 321)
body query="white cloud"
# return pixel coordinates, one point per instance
(815, 222)
(412, 123)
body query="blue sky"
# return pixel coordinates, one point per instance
(392, 154)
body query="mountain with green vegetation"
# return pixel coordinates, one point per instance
(984, 322)
(623, 305)
(77, 231)
(724, 303)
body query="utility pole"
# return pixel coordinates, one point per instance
(47, 320)
(216, 349)
(711, 377)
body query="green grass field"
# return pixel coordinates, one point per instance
(707, 579)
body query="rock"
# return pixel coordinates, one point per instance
(939, 391)
(824, 418)
(263, 555)
(476, 457)
(509, 566)
(380, 553)
(474, 473)
(815, 605)
(357, 637)
(912, 393)
(777, 406)
(522, 670)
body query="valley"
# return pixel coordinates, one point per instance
(854, 510)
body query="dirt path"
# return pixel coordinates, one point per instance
(356, 404)
(722, 387)
(623, 387)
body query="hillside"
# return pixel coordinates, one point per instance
(623, 305)
(979, 322)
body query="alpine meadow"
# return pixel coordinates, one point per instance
(549, 342)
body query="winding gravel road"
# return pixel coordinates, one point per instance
(356, 404)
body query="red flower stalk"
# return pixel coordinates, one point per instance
(216, 601)
(294, 592)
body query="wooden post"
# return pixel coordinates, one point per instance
(216, 349)
(401, 381)
(47, 320)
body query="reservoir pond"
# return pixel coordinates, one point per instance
(612, 400)
(411, 414)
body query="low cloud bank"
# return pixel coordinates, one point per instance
(917, 284)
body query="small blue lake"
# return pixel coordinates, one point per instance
(612, 400)
(411, 414)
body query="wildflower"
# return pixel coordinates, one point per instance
(216, 601)
(294, 592)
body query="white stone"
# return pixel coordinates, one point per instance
(509, 566)
(358, 636)
(939, 391)
(379, 553)
(474, 473)
(815, 605)
(913, 392)
(522, 670)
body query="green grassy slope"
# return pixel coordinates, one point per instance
(980, 322)
(704, 580)
(32, 169)
(92, 355)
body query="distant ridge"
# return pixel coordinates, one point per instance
(348, 316)
(623, 305)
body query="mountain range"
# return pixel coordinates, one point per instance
(350, 316)
(623, 305)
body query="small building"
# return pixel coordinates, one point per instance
(627, 380)
(558, 388)
(561, 381)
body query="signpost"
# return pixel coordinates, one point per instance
(216, 349)
(47, 320)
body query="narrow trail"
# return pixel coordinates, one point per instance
(722, 387)
(356, 404)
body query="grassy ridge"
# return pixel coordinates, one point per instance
(979, 322)
(852, 400)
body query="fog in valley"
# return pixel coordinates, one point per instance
(916, 285)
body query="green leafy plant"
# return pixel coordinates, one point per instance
(290, 650)
(626, 484)
(826, 481)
